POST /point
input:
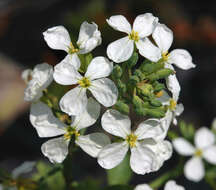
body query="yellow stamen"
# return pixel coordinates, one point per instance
(69, 132)
(198, 153)
(165, 56)
(84, 82)
(72, 49)
(134, 36)
(173, 104)
(131, 140)
(159, 94)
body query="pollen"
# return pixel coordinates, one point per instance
(198, 153)
(173, 104)
(69, 132)
(165, 56)
(159, 94)
(84, 82)
(134, 36)
(131, 140)
(72, 49)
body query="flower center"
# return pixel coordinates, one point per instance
(159, 94)
(131, 140)
(84, 82)
(134, 36)
(173, 104)
(72, 49)
(198, 153)
(69, 132)
(165, 56)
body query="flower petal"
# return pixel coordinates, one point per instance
(171, 185)
(148, 50)
(89, 37)
(93, 143)
(179, 109)
(57, 38)
(89, 116)
(72, 59)
(163, 37)
(120, 50)
(56, 149)
(183, 147)
(43, 120)
(145, 24)
(210, 154)
(26, 75)
(194, 169)
(143, 187)
(120, 23)
(105, 91)
(142, 159)
(98, 68)
(74, 102)
(204, 138)
(181, 58)
(65, 73)
(112, 155)
(149, 129)
(116, 123)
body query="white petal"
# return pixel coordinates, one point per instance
(93, 143)
(120, 50)
(165, 98)
(181, 58)
(163, 37)
(74, 102)
(149, 129)
(116, 123)
(26, 75)
(89, 116)
(98, 68)
(210, 154)
(65, 73)
(24, 168)
(148, 50)
(142, 159)
(42, 77)
(173, 84)
(72, 59)
(179, 109)
(43, 120)
(204, 138)
(120, 23)
(145, 24)
(183, 147)
(112, 155)
(171, 185)
(194, 169)
(105, 91)
(55, 149)
(89, 37)
(143, 187)
(57, 38)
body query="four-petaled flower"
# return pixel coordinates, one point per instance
(58, 38)
(205, 147)
(143, 26)
(47, 125)
(147, 152)
(103, 89)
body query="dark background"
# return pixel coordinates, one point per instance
(22, 46)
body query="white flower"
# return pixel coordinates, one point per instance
(59, 38)
(38, 80)
(47, 125)
(163, 37)
(143, 26)
(174, 109)
(170, 185)
(103, 89)
(147, 154)
(205, 147)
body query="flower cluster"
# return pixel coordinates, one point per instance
(67, 99)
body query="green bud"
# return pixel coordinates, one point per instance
(158, 112)
(158, 86)
(122, 107)
(172, 135)
(121, 86)
(149, 68)
(137, 101)
(138, 73)
(145, 89)
(140, 111)
(133, 60)
(155, 102)
(85, 60)
(133, 80)
(163, 73)
(117, 72)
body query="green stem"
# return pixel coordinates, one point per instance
(174, 173)
(211, 182)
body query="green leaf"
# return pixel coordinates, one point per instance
(122, 107)
(133, 60)
(120, 174)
